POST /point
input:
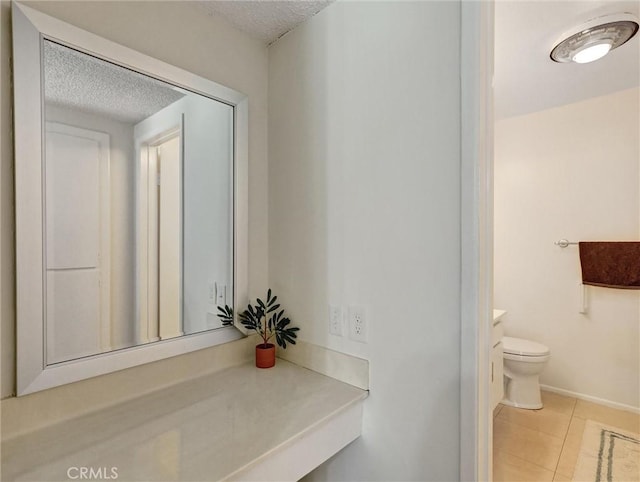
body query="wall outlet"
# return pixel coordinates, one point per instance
(335, 320)
(357, 324)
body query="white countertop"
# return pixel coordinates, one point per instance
(215, 427)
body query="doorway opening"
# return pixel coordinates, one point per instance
(159, 246)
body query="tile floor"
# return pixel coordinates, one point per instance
(543, 445)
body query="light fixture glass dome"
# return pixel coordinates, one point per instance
(595, 39)
(592, 52)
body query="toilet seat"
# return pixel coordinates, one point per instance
(523, 348)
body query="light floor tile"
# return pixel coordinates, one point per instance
(509, 468)
(609, 416)
(531, 445)
(571, 447)
(558, 403)
(547, 421)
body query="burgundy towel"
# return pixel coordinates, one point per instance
(611, 264)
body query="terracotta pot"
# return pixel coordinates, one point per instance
(265, 355)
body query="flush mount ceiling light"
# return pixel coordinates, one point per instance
(595, 39)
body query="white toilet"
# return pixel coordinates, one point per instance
(524, 360)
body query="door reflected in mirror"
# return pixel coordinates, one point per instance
(138, 201)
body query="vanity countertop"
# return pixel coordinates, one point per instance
(227, 425)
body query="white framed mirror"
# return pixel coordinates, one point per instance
(131, 205)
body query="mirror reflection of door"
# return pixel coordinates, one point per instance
(78, 272)
(160, 236)
(169, 238)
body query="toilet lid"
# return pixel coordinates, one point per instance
(518, 346)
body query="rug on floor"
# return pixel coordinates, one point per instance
(607, 454)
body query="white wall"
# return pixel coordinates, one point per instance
(7, 209)
(179, 34)
(208, 206)
(364, 208)
(122, 209)
(570, 172)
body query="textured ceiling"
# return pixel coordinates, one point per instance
(76, 80)
(266, 20)
(526, 80)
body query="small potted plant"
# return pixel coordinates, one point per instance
(265, 319)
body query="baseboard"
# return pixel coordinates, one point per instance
(589, 398)
(346, 368)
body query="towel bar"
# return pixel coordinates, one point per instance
(563, 243)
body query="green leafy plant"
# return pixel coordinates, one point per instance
(265, 319)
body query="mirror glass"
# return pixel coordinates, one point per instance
(138, 203)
